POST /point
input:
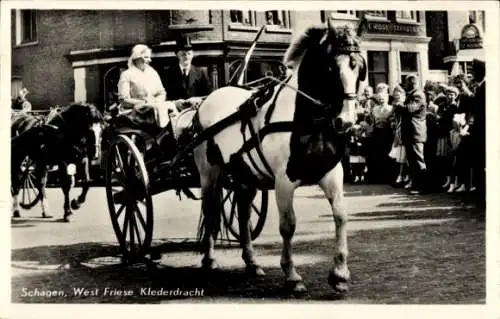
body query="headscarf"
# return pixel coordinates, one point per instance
(137, 53)
(452, 89)
(382, 88)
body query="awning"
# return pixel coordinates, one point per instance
(466, 55)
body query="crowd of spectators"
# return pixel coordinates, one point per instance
(423, 139)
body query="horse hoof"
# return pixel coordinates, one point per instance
(16, 214)
(75, 204)
(68, 218)
(337, 283)
(296, 287)
(255, 271)
(209, 264)
(46, 216)
(155, 256)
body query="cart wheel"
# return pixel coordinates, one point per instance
(30, 193)
(258, 213)
(129, 200)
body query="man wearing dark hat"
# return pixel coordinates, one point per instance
(184, 82)
(478, 129)
(414, 132)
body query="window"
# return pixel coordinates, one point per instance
(190, 17)
(278, 18)
(242, 17)
(406, 16)
(376, 14)
(15, 87)
(472, 17)
(26, 29)
(378, 70)
(348, 12)
(409, 64)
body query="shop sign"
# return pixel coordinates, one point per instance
(392, 28)
(471, 38)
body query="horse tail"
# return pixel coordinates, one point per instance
(212, 182)
(29, 142)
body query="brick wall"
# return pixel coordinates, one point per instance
(44, 69)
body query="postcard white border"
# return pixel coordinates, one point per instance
(297, 310)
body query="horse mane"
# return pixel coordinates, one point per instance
(95, 114)
(297, 48)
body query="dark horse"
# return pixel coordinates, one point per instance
(301, 141)
(70, 135)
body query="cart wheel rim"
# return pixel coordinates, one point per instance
(258, 213)
(30, 193)
(129, 201)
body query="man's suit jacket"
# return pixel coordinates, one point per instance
(413, 117)
(478, 130)
(178, 86)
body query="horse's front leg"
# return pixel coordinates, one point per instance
(284, 190)
(332, 185)
(76, 203)
(66, 184)
(42, 188)
(244, 198)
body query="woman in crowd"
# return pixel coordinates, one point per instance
(398, 150)
(446, 113)
(365, 104)
(381, 117)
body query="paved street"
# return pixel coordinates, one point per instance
(421, 249)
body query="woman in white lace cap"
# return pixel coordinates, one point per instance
(140, 86)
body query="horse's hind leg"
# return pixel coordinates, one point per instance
(66, 184)
(15, 202)
(244, 197)
(211, 208)
(76, 203)
(284, 190)
(332, 185)
(42, 188)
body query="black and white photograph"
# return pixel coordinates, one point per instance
(250, 154)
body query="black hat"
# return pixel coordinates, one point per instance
(183, 43)
(478, 64)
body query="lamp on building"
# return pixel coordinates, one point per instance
(472, 17)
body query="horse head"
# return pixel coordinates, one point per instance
(330, 68)
(81, 120)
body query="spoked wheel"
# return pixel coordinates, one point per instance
(258, 213)
(30, 193)
(129, 201)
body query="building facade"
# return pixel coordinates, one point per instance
(67, 55)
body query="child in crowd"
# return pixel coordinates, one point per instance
(357, 151)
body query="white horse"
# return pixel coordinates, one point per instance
(306, 119)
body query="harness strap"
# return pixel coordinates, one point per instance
(248, 123)
(258, 148)
(271, 108)
(207, 133)
(275, 127)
